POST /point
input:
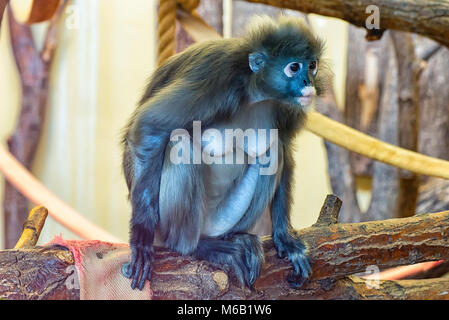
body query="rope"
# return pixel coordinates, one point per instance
(167, 26)
(189, 5)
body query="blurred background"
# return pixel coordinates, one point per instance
(105, 53)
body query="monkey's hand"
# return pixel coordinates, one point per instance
(142, 257)
(293, 248)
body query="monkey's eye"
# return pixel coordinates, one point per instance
(313, 66)
(292, 68)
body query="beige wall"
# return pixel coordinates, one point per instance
(98, 74)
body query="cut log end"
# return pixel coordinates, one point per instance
(329, 211)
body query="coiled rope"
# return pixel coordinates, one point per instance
(167, 26)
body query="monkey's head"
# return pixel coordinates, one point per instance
(285, 61)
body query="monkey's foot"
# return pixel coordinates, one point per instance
(241, 254)
(140, 267)
(295, 251)
(142, 257)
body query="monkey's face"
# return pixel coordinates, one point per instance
(290, 79)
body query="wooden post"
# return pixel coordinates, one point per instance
(34, 71)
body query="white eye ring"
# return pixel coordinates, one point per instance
(292, 68)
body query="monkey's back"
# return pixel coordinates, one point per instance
(210, 63)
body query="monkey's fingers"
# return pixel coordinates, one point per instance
(146, 272)
(140, 267)
(135, 269)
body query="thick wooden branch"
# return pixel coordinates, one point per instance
(343, 249)
(426, 17)
(45, 272)
(40, 273)
(335, 250)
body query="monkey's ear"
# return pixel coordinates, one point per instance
(257, 61)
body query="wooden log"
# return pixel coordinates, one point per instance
(44, 273)
(429, 289)
(343, 249)
(428, 18)
(34, 71)
(34, 11)
(33, 274)
(335, 251)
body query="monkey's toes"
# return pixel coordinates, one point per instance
(140, 267)
(302, 270)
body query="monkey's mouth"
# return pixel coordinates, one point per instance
(307, 95)
(305, 100)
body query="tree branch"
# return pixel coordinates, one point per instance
(428, 18)
(34, 72)
(336, 251)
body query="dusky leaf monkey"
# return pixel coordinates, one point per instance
(265, 80)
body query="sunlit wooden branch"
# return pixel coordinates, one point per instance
(425, 17)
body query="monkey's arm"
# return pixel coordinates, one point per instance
(284, 239)
(146, 148)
